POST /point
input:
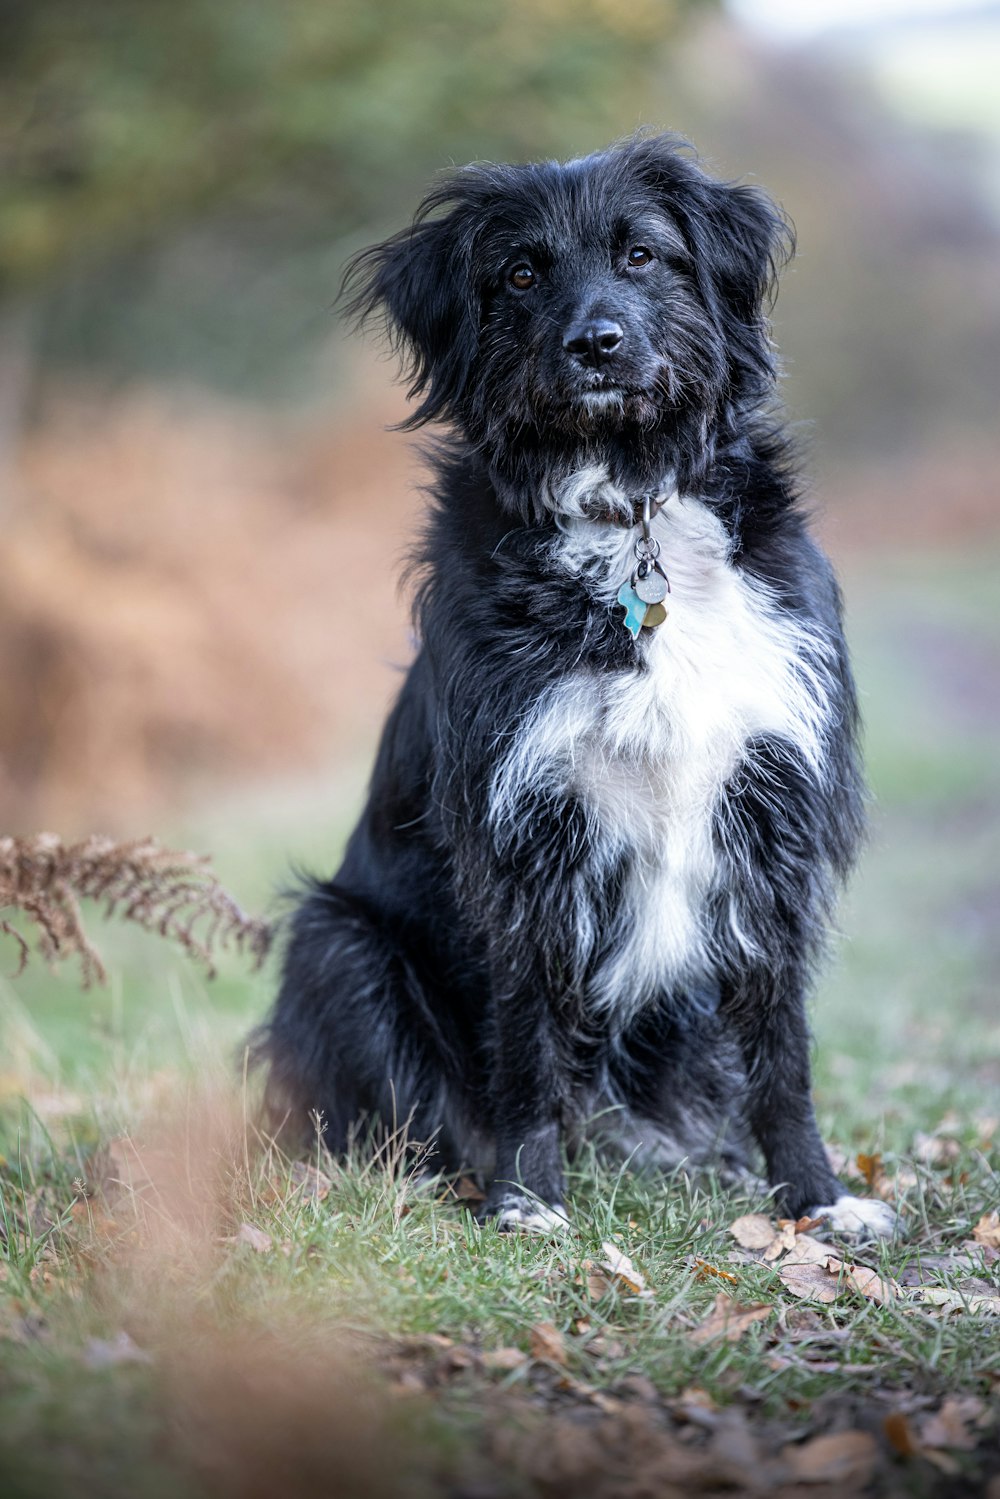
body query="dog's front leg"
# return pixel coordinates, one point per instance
(526, 1093)
(767, 1009)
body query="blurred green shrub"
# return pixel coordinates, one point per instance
(120, 119)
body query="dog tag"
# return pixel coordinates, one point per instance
(635, 609)
(655, 615)
(652, 589)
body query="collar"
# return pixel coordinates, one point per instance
(645, 508)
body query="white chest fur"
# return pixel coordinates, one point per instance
(648, 751)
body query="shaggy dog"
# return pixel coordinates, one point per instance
(620, 785)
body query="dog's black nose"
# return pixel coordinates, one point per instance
(594, 341)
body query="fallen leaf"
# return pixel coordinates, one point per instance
(729, 1320)
(809, 1251)
(598, 1284)
(810, 1280)
(959, 1301)
(621, 1269)
(639, 1387)
(935, 1149)
(802, 1225)
(694, 1404)
(841, 1457)
(312, 1183)
(977, 1255)
(899, 1434)
(752, 1231)
(255, 1238)
(466, 1190)
(781, 1243)
(949, 1427)
(703, 1268)
(987, 1230)
(878, 1180)
(455, 1360)
(871, 1285)
(502, 1360)
(547, 1344)
(870, 1167)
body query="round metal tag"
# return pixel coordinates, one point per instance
(652, 589)
(655, 615)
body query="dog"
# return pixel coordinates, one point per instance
(620, 787)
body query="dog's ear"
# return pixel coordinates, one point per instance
(420, 282)
(744, 240)
(739, 240)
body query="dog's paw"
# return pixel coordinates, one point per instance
(527, 1215)
(861, 1217)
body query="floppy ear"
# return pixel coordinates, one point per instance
(420, 280)
(739, 240)
(747, 240)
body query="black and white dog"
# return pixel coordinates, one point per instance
(620, 785)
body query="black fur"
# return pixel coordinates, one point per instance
(442, 977)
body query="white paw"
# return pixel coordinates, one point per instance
(864, 1217)
(530, 1216)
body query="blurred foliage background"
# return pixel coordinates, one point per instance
(203, 518)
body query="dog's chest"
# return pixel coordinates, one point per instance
(649, 751)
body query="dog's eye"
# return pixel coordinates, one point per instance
(639, 255)
(522, 276)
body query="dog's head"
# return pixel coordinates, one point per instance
(612, 306)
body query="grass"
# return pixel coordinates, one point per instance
(376, 1335)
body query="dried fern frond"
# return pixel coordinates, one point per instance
(160, 889)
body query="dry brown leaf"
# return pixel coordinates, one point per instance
(846, 1457)
(946, 1300)
(812, 1281)
(694, 1402)
(255, 1238)
(547, 1344)
(802, 1225)
(935, 1149)
(598, 1284)
(949, 1427)
(160, 889)
(729, 1320)
(620, 1268)
(752, 1231)
(871, 1285)
(899, 1434)
(783, 1240)
(877, 1179)
(870, 1167)
(705, 1270)
(987, 1230)
(809, 1251)
(503, 1360)
(466, 1190)
(312, 1183)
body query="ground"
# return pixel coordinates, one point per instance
(182, 1309)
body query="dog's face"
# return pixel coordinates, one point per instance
(616, 300)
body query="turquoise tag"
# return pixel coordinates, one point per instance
(635, 609)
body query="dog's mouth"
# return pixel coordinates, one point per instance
(601, 396)
(610, 400)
